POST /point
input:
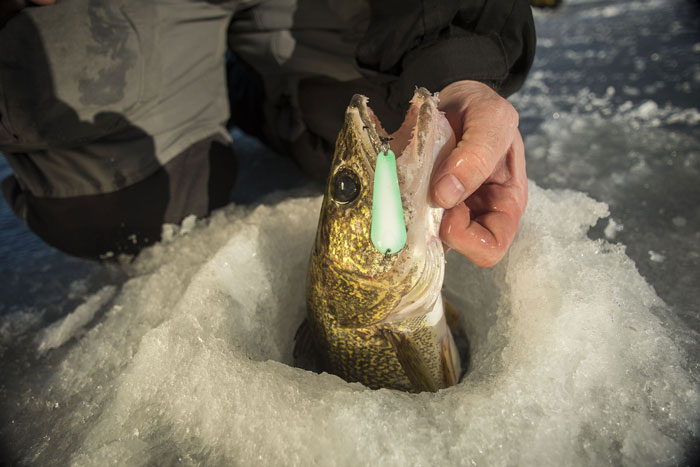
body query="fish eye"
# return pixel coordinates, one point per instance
(345, 187)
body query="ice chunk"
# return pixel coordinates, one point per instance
(612, 229)
(58, 333)
(656, 257)
(187, 224)
(648, 109)
(679, 221)
(170, 231)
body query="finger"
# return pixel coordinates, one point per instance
(483, 227)
(516, 166)
(509, 174)
(495, 198)
(489, 132)
(484, 240)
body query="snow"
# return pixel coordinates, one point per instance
(612, 229)
(188, 360)
(679, 221)
(59, 332)
(656, 257)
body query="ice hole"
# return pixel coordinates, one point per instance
(191, 363)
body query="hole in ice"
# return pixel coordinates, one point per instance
(306, 356)
(192, 361)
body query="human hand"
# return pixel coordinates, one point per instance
(482, 184)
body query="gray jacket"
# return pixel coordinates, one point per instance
(97, 95)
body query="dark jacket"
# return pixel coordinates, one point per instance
(433, 43)
(383, 49)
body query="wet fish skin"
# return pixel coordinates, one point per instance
(376, 318)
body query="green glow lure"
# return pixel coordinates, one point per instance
(388, 232)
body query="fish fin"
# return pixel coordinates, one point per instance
(449, 362)
(452, 317)
(411, 361)
(459, 337)
(305, 354)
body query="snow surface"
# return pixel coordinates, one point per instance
(61, 331)
(188, 360)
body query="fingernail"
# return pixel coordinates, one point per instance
(449, 191)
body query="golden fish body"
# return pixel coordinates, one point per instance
(379, 318)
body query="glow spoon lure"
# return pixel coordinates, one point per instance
(388, 231)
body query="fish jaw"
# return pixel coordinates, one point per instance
(431, 141)
(348, 277)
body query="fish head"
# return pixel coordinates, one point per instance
(349, 277)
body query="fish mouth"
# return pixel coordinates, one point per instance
(423, 140)
(368, 130)
(411, 143)
(415, 129)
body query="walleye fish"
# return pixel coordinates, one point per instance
(374, 317)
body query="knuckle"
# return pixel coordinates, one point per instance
(479, 160)
(514, 117)
(511, 205)
(516, 205)
(511, 113)
(503, 111)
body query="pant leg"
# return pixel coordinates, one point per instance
(112, 116)
(124, 221)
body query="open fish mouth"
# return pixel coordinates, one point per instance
(423, 140)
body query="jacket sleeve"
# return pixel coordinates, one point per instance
(432, 43)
